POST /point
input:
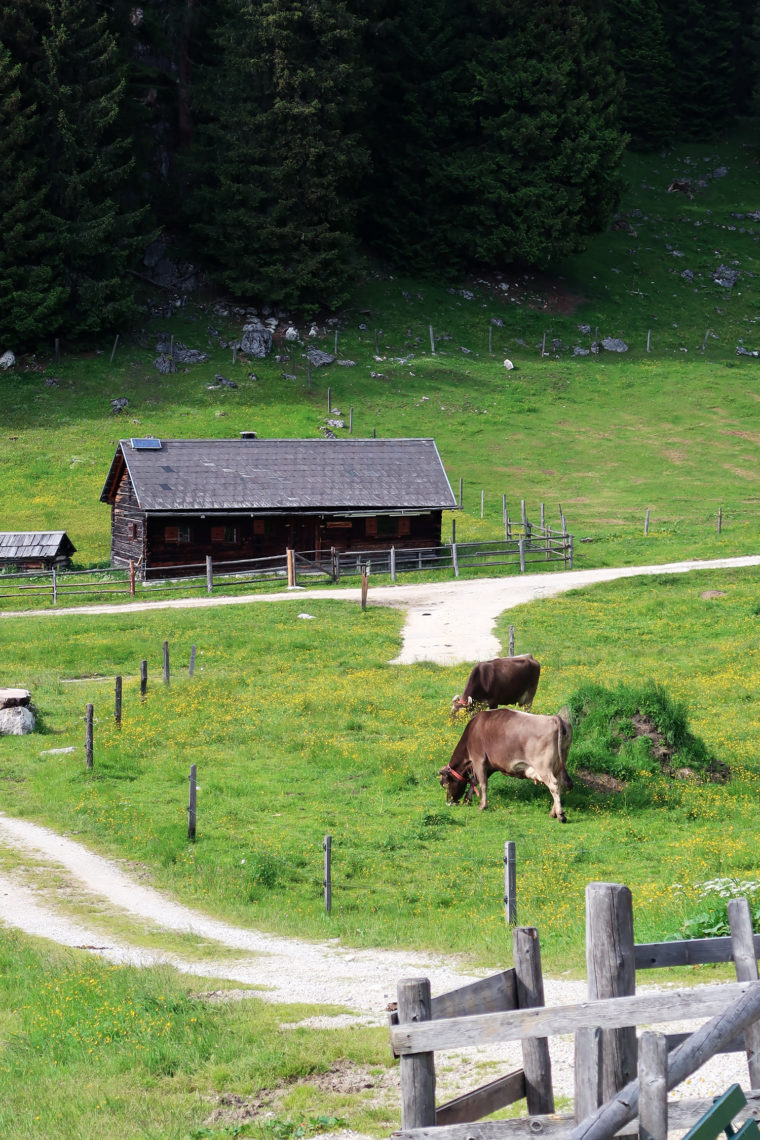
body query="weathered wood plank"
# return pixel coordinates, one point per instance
(745, 962)
(611, 972)
(676, 1039)
(497, 992)
(653, 1087)
(537, 1064)
(688, 952)
(682, 1114)
(612, 1013)
(483, 1101)
(588, 1072)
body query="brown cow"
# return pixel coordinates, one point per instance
(516, 743)
(502, 681)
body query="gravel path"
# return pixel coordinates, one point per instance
(446, 622)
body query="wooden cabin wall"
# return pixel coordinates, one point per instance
(128, 526)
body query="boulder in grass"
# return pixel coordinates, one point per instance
(16, 721)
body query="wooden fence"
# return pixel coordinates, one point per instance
(608, 1094)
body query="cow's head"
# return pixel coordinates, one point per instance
(453, 783)
(460, 703)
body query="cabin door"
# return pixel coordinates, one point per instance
(301, 534)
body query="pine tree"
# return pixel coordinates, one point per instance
(641, 51)
(80, 89)
(702, 44)
(31, 294)
(278, 154)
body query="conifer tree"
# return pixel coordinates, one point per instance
(641, 51)
(80, 90)
(278, 154)
(32, 295)
(702, 44)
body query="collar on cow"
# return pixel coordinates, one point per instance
(458, 775)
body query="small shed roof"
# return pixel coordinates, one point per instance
(19, 546)
(283, 474)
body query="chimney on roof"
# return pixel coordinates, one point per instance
(248, 435)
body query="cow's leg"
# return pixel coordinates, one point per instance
(556, 812)
(480, 776)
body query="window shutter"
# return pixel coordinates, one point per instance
(217, 534)
(259, 526)
(171, 534)
(404, 526)
(370, 527)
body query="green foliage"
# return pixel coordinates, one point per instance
(702, 39)
(278, 151)
(630, 730)
(641, 50)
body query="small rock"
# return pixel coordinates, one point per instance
(307, 617)
(508, 365)
(318, 358)
(164, 364)
(347, 363)
(614, 344)
(7, 360)
(17, 721)
(498, 322)
(119, 404)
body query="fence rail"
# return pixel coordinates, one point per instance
(534, 546)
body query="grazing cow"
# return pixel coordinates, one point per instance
(516, 743)
(503, 681)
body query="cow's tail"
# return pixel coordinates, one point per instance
(564, 740)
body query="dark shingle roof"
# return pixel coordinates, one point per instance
(284, 474)
(22, 545)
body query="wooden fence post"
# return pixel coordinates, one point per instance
(88, 736)
(653, 1086)
(327, 847)
(166, 662)
(646, 522)
(209, 575)
(745, 964)
(131, 578)
(588, 1072)
(720, 519)
(432, 341)
(569, 552)
(611, 973)
(192, 813)
(530, 993)
(351, 421)
(511, 641)
(55, 586)
(117, 701)
(191, 666)
(521, 548)
(393, 564)
(454, 559)
(290, 567)
(113, 350)
(329, 400)
(143, 678)
(510, 883)
(417, 1070)
(365, 585)
(453, 530)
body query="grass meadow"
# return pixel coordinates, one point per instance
(302, 728)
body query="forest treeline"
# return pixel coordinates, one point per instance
(280, 142)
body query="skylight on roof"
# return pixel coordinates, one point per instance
(147, 443)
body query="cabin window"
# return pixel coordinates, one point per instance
(177, 533)
(370, 527)
(387, 527)
(224, 534)
(404, 526)
(132, 530)
(259, 526)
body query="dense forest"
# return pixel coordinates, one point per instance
(279, 144)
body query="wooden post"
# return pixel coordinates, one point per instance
(113, 350)
(374, 436)
(569, 552)
(393, 564)
(432, 341)
(327, 847)
(57, 351)
(453, 530)
(543, 346)
(611, 973)
(291, 567)
(131, 578)
(209, 575)
(490, 339)
(191, 666)
(335, 346)
(117, 701)
(653, 1086)
(646, 522)
(720, 519)
(350, 421)
(88, 736)
(171, 345)
(192, 813)
(649, 339)
(530, 993)
(461, 488)
(454, 559)
(166, 662)
(329, 400)
(543, 517)
(704, 342)
(55, 586)
(143, 678)
(365, 585)
(588, 1072)
(417, 1070)
(234, 355)
(745, 964)
(510, 883)
(482, 502)
(521, 548)
(511, 641)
